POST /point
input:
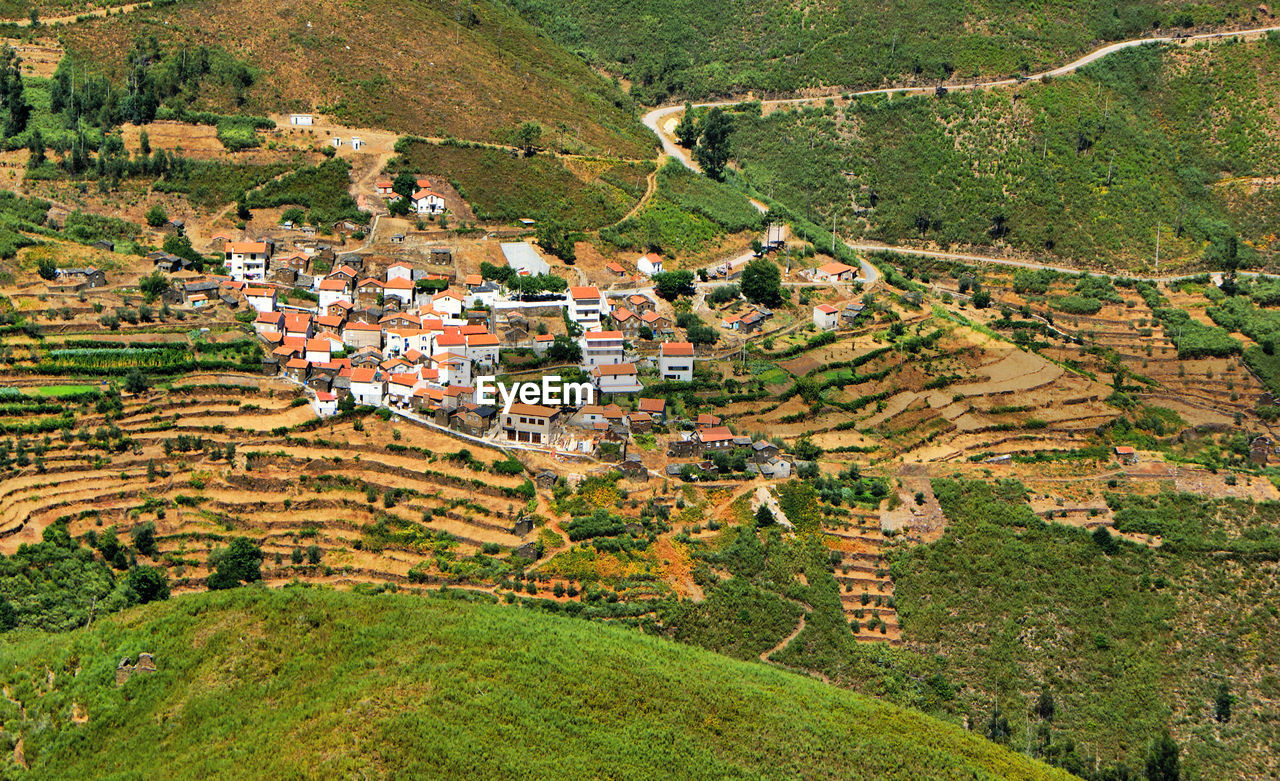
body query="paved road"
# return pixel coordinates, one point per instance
(655, 119)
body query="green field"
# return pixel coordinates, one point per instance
(262, 684)
(61, 390)
(1088, 167)
(716, 47)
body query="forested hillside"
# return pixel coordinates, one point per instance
(678, 48)
(1090, 167)
(1072, 645)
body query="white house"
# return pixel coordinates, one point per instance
(269, 322)
(649, 264)
(401, 387)
(833, 272)
(447, 302)
(325, 404)
(427, 202)
(385, 187)
(601, 348)
(318, 350)
(619, 378)
(262, 299)
(301, 120)
(587, 305)
(826, 317)
(247, 260)
(399, 287)
(333, 290)
(482, 349)
(675, 361)
(400, 271)
(454, 369)
(485, 294)
(368, 386)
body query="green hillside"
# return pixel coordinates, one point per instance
(712, 47)
(262, 684)
(1085, 167)
(472, 70)
(1123, 639)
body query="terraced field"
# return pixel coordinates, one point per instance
(205, 461)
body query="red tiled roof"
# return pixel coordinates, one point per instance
(716, 434)
(535, 410)
(614, 370)
(652, 405)
(677, 348)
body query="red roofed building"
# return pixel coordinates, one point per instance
(532, 423)
(268, 321)
(427, 202)
(715, 438)
(617, 378)
(247, 260)
(826, 317)
(601, 348)
(368, 386)
(587, 305)
(675, 361)
(833, 272)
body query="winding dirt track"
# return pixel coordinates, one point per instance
(654, 121)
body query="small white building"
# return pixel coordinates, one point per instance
(262, 299)
(618, 378)
(325, 404)
(319, 350)
(649, 264)
(483, 349)
(301, 120)
(401, 288)
(368, 386)
(447, 302)
(826, 317)
(333, 290)
(834, 272)
(427, 202)
(675, 361)
(400, 271)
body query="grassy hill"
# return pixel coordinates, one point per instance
(680, 48)
(1085, 167)
(263, 684)
(471, 70)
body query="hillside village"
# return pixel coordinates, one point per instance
(388, 333)
(828, 382)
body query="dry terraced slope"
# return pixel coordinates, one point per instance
(471, 70)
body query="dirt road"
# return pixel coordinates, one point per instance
(662, 122)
